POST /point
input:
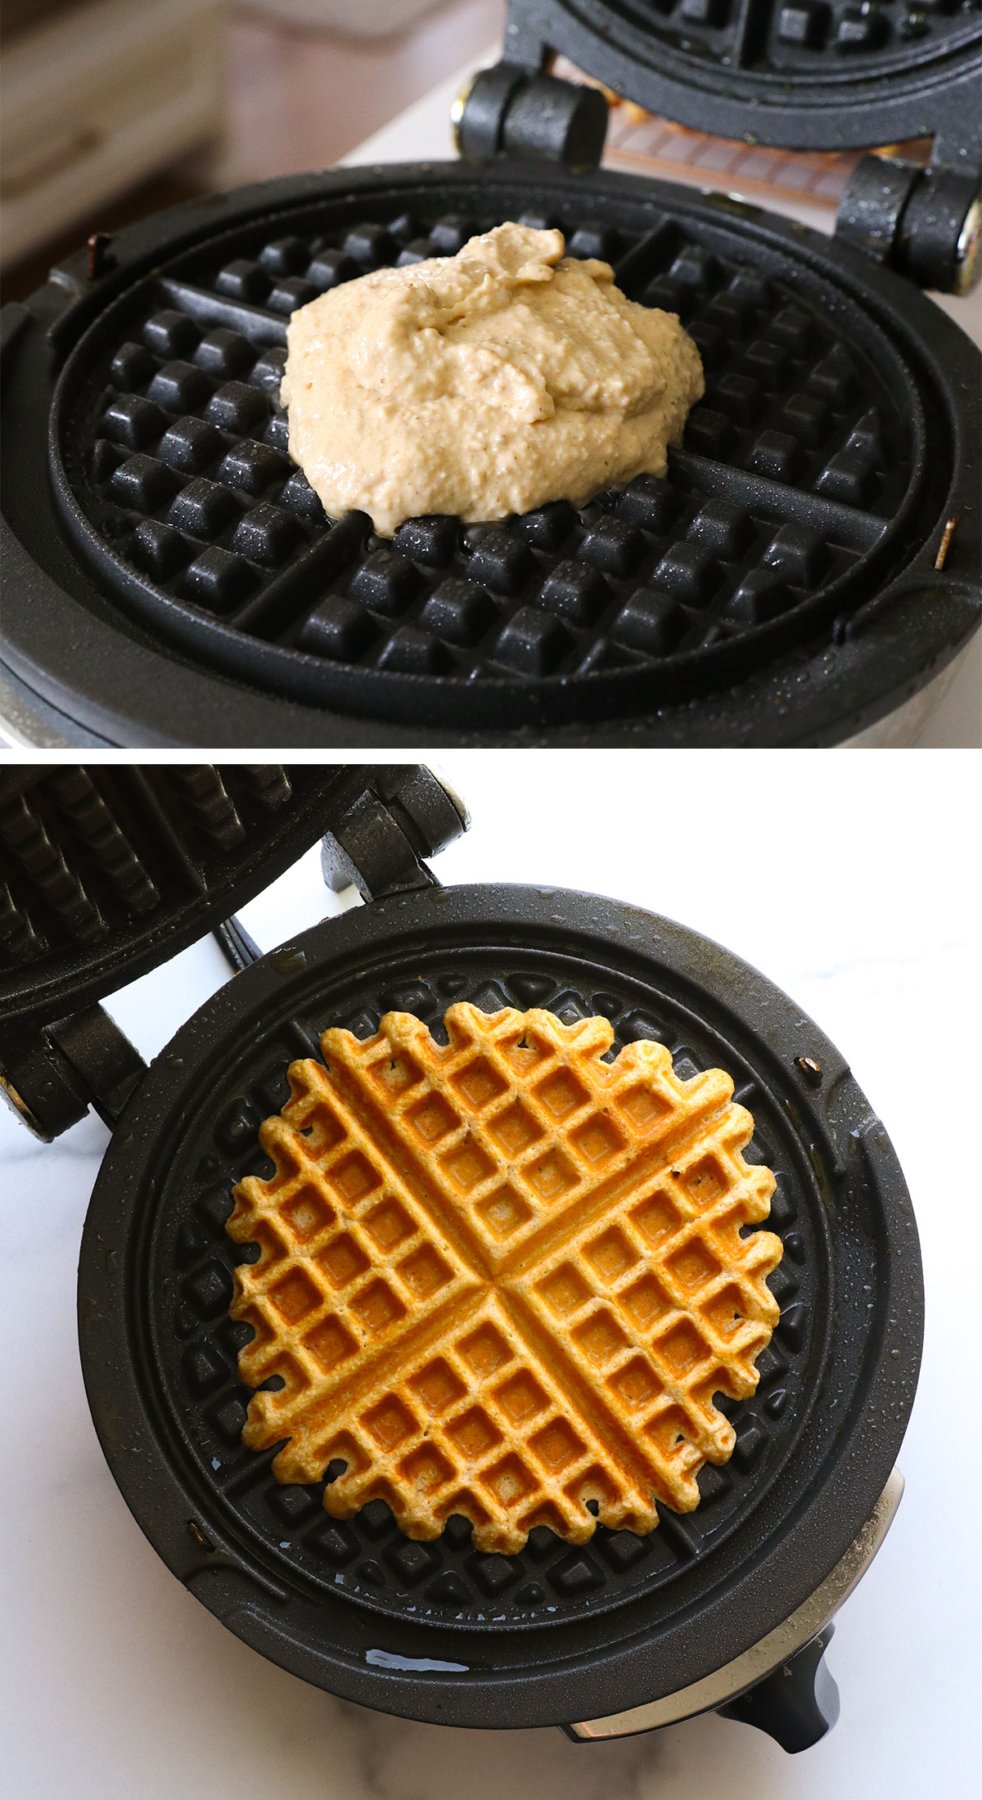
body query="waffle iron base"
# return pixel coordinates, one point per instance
(778, 587)
(439, 1632)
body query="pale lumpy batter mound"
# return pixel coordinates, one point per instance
(483, 384)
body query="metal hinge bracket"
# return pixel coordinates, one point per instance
(515, 110)
(923, 222)
(385, 828)
(54, 1073)
(386, 819)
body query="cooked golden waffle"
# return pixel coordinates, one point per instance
(502, 1277)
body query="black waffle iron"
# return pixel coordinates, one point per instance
(805, 574)
(107, 873)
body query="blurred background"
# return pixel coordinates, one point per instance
(115, 108)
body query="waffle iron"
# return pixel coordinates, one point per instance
(106, 873)
(796, 578)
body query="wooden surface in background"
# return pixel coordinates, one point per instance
(296, 100)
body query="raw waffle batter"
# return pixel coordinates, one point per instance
(483, 384)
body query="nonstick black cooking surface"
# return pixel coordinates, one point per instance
(337, 1602)
(368, 1557)
(798, 38)
(804, 485)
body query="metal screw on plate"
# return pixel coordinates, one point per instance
(945, 544)
(967, 250)
(457, 110)
(811, 1070)
(97, 257)
(15, 1100)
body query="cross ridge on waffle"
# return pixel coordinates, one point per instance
(502, 1277)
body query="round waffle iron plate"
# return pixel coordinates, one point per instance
(816, 73)
(729, 601)
(439, 1631)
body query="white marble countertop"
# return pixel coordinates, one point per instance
(117, 1685)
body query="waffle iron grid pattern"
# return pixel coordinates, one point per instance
(497, 1203)
(367, 1557)
(83, 855)
(792, 469)
(798, 37)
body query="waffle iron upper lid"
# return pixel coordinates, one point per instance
(107, 872)
(800, 74)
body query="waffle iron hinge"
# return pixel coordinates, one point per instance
(923, 222)
(390, 817)
(51, 1075)
(516, 109)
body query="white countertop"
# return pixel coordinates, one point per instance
(117, 1685)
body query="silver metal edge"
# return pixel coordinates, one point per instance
(28, 723)
(903, 728)
(764, 1657)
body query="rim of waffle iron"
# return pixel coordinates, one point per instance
(834, 691)
(583, 1667)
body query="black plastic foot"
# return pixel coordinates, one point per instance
(797, 1704)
